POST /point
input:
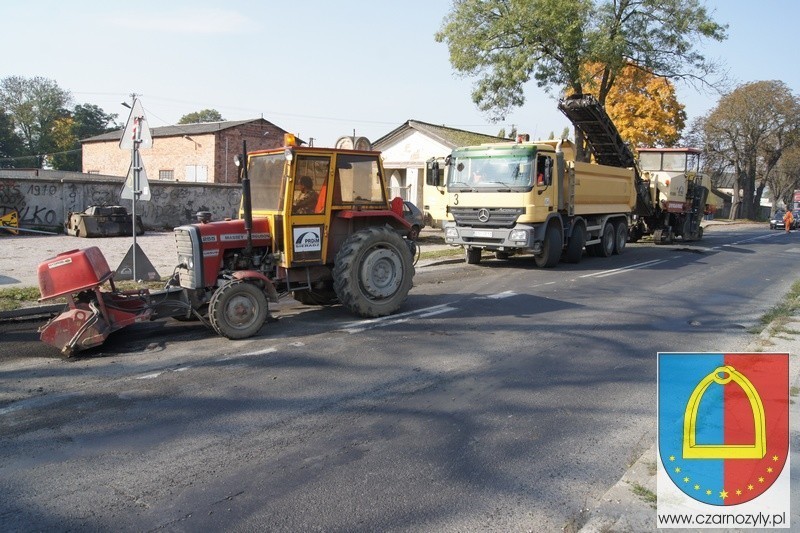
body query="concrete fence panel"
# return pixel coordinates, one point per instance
(44, 198)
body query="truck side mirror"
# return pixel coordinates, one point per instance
(433, 174)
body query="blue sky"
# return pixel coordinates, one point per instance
(318, 68)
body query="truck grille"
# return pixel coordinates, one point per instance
(489, 217)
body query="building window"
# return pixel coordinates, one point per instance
(166, 175)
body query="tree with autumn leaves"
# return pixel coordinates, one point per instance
(506, 44)
(644, 107)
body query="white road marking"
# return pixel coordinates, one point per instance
(362, 325)
(624, 269)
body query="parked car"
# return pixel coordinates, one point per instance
(413, 216)
(776, 221)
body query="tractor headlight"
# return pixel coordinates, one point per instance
(518, 235)
(187, 261)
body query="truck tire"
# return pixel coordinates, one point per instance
(238, 309)
(373, 272)
(607, 241)
(472, 255)
(551, 251)
(575, 245)
(620, 236)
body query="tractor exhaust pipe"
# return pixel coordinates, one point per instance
(247, 203)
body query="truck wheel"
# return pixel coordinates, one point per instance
(472, 255)
(373, 272)
(238, 309)
(318, 297)
(575, 245)
(607, 244)
(551, 251)
(620, 236)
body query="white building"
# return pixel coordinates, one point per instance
(405, 151)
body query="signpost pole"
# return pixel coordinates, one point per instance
(137, 138)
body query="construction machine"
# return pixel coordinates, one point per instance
(315, 223)
(672, 193)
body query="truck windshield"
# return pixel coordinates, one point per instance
(500, 173)
(266, 181)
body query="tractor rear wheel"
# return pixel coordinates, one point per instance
(373, 272)
(238, 309)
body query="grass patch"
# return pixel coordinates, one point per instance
(14, 297)
(437, 254)
(646, 495)
(794, 391)
(779, 316)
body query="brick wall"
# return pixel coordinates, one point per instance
(214, 151)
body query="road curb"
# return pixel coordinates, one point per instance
(30, 312)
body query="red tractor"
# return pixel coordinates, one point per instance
(316, 223)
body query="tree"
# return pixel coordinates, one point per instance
(84, 121)
(35, 104)
(786, 177)
(748, 132)
(11, 145)
(644, 107)
(205, 115)
(505, 43)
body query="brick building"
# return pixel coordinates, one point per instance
(184, 152)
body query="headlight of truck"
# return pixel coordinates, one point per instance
(450, 234)
(518, 235)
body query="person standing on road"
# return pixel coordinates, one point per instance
(788, 220)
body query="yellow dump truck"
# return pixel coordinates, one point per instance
(533, 197)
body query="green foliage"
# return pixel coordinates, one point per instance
(205, 115)
(506, 44)
(34, 104)
(85, 120)
(11, 144)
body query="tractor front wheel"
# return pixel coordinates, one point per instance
(238, 309)
(373, 272)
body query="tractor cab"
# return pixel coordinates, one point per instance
(314, 198)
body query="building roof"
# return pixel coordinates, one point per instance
(179, 130)
(450, 137)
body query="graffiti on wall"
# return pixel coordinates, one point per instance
(43, 202)
(30, 201)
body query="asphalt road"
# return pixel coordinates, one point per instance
(504, 397)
